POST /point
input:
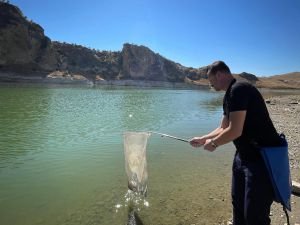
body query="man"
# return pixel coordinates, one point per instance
(247, 123)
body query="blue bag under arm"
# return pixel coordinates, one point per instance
(277, 162)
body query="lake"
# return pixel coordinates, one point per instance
(62, 159)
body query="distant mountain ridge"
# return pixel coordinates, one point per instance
(27, 54)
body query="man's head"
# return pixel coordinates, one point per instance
(219, 75)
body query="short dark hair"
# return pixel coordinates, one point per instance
(216, 67)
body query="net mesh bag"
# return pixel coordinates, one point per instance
(135, 144)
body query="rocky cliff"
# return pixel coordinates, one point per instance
(23, 45)
(27, 54)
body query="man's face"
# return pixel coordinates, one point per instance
(214, 82)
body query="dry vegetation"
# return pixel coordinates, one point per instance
(285, 81)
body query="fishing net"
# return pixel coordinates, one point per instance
(135, 144)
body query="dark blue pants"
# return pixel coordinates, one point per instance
(252, 193)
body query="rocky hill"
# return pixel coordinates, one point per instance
(283, 81)
(23, 45)
(26, 54)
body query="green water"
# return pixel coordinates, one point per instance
(62, 160)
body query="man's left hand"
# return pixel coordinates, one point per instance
(208, 146)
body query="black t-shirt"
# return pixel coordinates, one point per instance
(258, 128)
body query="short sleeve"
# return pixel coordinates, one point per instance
(239, 98)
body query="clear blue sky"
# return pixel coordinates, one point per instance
(256, 36)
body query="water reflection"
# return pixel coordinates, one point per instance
(213, 104)
(137, 109)
(23, 111)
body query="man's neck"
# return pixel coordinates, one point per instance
(228, 82)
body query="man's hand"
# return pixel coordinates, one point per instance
(208, 145)
(197, 141)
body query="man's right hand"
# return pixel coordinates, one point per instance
(197, 141)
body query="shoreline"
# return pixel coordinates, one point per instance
(267, 92)
(73, 80)
(60, 78)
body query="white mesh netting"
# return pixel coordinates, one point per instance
(135, 144)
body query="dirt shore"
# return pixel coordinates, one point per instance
(285, 113)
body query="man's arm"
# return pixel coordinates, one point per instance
(199, 141)
(230, 133)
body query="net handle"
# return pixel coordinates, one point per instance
(169, 136)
